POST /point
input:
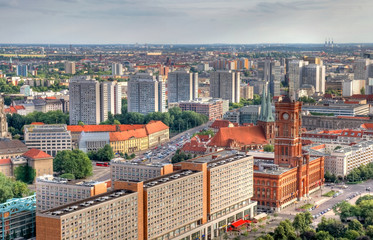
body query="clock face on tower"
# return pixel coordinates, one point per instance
(285, 116)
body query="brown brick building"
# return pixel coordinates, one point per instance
(292, 174)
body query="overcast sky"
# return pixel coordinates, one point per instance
(185, 21)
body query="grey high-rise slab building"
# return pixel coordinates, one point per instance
(182, 86)
(314, 75)
(146, 94)
(225, 85)
(295, 75)
(84, 100)
(116, 69)
(272, 72)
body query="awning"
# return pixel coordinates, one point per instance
(240, 222)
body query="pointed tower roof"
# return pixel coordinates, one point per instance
(268, 116)
(263, 104)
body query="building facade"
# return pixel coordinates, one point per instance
(17, 218)
(116, 69)
(70, 67)
(182, 86)
(3, 122)
(50, 138)
(146, 94)
(215, 190)
(212, 108)
(127, 170)
(53, 192)
(225, 85)
(291, 175)
(84, 101)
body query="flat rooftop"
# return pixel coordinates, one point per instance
(64, 181)
(88, 202)
(167, 178)
(132, 163)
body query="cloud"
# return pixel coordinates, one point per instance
(185, 21)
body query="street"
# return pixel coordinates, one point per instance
(103, 173)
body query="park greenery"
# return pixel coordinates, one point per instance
(25, 174)
(9, 88)
(329, 194)
(321, 114)
(10, 188)
(269, 148)
(68, 176)
(16, 121)
(332, 91)
(328, 229)
(208, 132)
(180, 156)
(103, 154)
(362, 210)
(245, 102)
(75, 162)
(362, 173)
(306, 99)
(176, 119)
(329, 177)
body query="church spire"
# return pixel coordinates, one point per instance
(268, 113)
(263, 105)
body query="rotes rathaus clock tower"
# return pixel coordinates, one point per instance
(288, 143)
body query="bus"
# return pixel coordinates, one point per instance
(102, 164)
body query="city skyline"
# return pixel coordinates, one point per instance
(185, 22)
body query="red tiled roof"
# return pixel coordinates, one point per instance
(306, 142)
(220, 123)
(351, 133)
(37, 123)
(125, 135)
(5, 161)
(11, 109)
(36, 154)
(155, 126)
(151, 127)
(19, 107)
(243, 135)
(203, 138)
(367, 125)
(194, 146)
(92, 128)
(350, 117)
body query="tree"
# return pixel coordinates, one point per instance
(323, 235)
(279, 233)
(103, 154)
(265, 237)
(269, 148)
(180, 156)
(334, 227)
(299, 223)
(356, 225)
(25, 174)
(68, 176)
(310, 234)
(10, 188)
(75, 162)
(362, 91)
(352, 234)
(363, 198)
(344, 210)
(369, 231)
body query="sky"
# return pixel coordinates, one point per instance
(185, 21)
